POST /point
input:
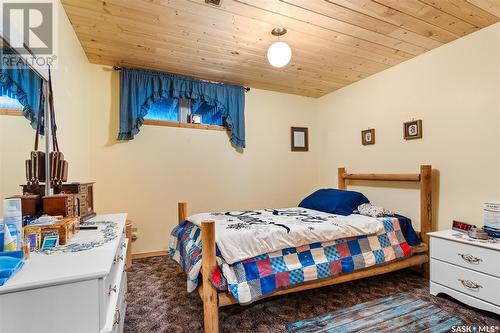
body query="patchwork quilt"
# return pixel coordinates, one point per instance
(251, 279)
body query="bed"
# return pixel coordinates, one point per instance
(264, 253)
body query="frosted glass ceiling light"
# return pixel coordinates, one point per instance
(279, 53)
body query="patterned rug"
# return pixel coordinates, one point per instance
(401, 312)
(158, 302)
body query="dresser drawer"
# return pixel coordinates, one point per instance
(115, 314)
(112, 284)
(82, 188)
(472, 283)
(83, 209)
(472, 257)
(118, 259)
(119, 326)
(122, 303)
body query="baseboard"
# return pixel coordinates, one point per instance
(149, 254)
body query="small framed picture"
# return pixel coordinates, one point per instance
(50, 242)
(412, 130)
(194, 119)
(299, 139)
(368, 137)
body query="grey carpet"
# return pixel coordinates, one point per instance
(158, 301)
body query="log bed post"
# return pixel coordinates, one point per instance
(425, 211)
(208, 262)
(182, 211)
(182, 216)
(425, 202)
(341, 182)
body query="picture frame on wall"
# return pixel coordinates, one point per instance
(299, 138)
(368, 137)
(412, 130)
(194, 118)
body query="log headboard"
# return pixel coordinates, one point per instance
(425, 180)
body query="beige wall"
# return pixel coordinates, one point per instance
(455, 90)
(146, 177)
(71, 82)
(16, 142)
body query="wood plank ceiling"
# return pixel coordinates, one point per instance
(334, 42)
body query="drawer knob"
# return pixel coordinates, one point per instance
(111, 289)
(124, 245)
(120, 257)
(115, 260)
(117, 317)
(470, 258)
(470, 284)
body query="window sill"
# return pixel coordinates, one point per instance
(183, 125)
(11, 112)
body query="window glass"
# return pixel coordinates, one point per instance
(208, 115)
(177, 110)
(166, 109)
(7, 102)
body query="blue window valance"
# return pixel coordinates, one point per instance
(139, 89)
(22, 83)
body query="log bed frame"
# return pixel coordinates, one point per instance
(213, 299)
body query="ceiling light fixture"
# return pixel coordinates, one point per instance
(279, 53)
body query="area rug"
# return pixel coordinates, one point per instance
(402, 312)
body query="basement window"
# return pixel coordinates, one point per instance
(178, 112)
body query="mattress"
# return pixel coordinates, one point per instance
(253, 278)
(242, 235)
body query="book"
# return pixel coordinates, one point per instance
(492, 215)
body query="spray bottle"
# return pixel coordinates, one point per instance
(13, 223)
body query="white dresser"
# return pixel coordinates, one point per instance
(466, 269)
(70, 292)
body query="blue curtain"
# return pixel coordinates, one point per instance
(139, 89)
(22, 83)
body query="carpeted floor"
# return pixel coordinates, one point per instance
(158, 301)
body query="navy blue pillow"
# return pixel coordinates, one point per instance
(330, 200)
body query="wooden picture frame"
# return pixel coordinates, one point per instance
(368, 137)
(194, 119)
(299, 138)
(412, 130)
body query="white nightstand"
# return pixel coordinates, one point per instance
(466, 269)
